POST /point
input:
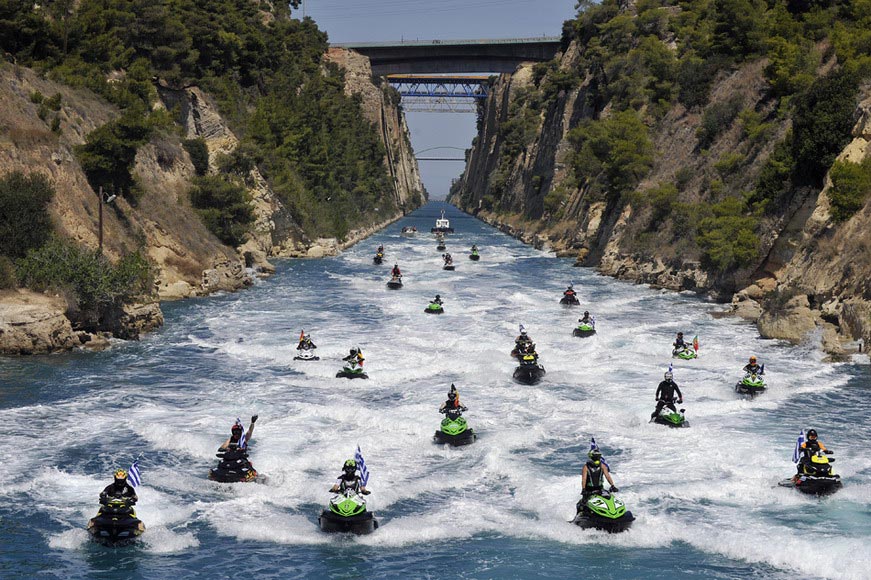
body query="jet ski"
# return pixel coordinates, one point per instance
(352, 372)
(685, 353)
(441, 246)
(434, 308)
(815, 476)
(347, 514)
(116, 523)
(567, 300)
(379, 258)
(529, 372)
(752, 384)
(474, 256)
(449, 267)
(394, 283)
(667, 417)
(409, 232)
(603, 511)
(306, 354)
(584, 329)
(234, 467)
(454, 430)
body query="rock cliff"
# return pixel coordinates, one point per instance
(812, 272)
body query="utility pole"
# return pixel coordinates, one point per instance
(100, 203)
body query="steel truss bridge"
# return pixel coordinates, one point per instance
(441, 94)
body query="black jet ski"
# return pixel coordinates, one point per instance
(441, 247)
(603, 511)
(449, 267)
(234, 467)
(567, 300)
(529, 372)
(394, 283)
(815, 476)
(379, 258)
(347, 513)
(116, 523)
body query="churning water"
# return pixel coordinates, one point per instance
(705, 498)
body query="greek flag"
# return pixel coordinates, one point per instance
(796, 454)
(134, 478)
(361, 467)
(595, 447)
(243, 443)
(671, 368)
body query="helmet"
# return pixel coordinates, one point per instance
(120, 474)
(752, 359)
(586, 313)
(595, 456)
(349, 466)
(522, 333)
(438, 296)
(353, 351)
(668, 375)
(452, 394)
(236, 427)
(680, 334)
(811, 433)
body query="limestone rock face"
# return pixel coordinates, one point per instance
(32, 323)
(138, 319)
(793, 322)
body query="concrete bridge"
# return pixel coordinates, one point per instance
(455, 56)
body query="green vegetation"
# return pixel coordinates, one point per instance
(851, 187)
(612, 155)
(90, 282)
(265, 70)
(25, 223)
(716, 119)
(199, 154)
(728, 237)
(223, 206)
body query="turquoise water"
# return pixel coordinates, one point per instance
(705, 498)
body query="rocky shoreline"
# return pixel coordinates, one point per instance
(795, 320)
(32, 323)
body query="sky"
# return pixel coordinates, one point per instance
(387, 20)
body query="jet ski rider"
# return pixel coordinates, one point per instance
(349, 479)
(752, 368)
(665, 395)
(679, 343)
(570, 291)
(591, 477)
(438, 300)
(236, 435)
(395, 271)
(586, 319)
(452, 406)
(355, 358)
(119, 489)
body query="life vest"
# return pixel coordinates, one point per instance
(594, 475)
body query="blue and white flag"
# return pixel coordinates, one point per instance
(521, 329)
(671, 368)
(361, 467)
(595, 447)
(243, 442)
(796, 455)
(134, 478)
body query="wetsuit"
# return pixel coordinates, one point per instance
(353, 482)
(396, 273)
(585, 320)
(306, 344)
(665, 396)
(680, 344)
(595, 478)
(753, 369)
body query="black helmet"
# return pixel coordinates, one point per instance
(680, 334)
(811, 433)
(452, 394)
(353, 351)
(438, 296)
(595, 456)
(586, 312)
(350, 466)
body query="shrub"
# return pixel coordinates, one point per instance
(661, 200)
(851, 186)
(717, 118)
(199, 154)
(728, 238)
(682, 177)
(774, 178)
(24, 219)
(109, 151)
(7, 273)
(223, 207)
(729, 163)
(91, 281)
(821, 124)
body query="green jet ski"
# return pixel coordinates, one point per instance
(671, 419)
(347, 513)
(603, 511)
(434, 308)
(684, 353)
(584, 329)
(752, 384)
(454, 430)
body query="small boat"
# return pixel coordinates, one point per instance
(442, 225)
(409, 232)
